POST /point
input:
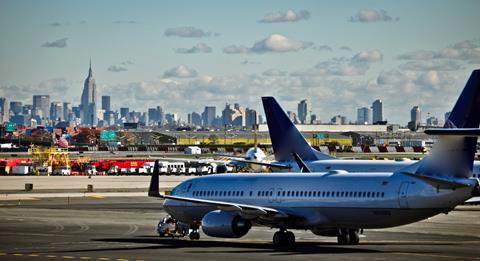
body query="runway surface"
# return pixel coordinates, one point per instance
(123, 228)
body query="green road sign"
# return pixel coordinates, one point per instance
(10, 126)
(320, 135)
(108, 135)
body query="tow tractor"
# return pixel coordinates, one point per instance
(169, 227)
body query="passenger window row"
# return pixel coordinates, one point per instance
(291, 193)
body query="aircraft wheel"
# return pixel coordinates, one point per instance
(343, 238)
(354, 236)
(290, 238)
(278, 239)
(194, 236)
(283, 239)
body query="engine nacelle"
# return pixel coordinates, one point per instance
(225, 224)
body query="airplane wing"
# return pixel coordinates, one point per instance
(248, 211)
(267, 164)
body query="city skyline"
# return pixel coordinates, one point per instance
(341, 56)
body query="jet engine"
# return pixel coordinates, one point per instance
(225, 224)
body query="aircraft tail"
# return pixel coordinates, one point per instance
(454, 153)
(285, 137)
(154, 190)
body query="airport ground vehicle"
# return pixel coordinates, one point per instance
(169, 227)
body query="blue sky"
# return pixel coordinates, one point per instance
(149, 53)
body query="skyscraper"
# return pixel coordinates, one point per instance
(41, 106)
(377, 111)
(303, 112)
(88, 104)
(106, 103)
(208, 115)
(364, 115)
(56, 111)
(4, 110)
(415, 118)
(16, 107)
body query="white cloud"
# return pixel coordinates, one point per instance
(233, 49)
(289, 16)
(274, 72)
(188, 31)
(198, 48)
(370, 15)
(417, 55)
(116, 68)
(181, 71)
(436, 65)
(354, 66)
(60, 43)
(323, 48)
(368, 56)
(465, 50)
(274, 43)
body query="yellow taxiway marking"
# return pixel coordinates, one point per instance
(68, 257)
(3, 254)
(17, 198)
(33, 255)
(85, 258)
(103, 258)
(435, 255)
(51, 256)
(121, 259)
(96, 196)
(18, 254)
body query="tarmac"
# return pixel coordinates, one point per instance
(123, 228)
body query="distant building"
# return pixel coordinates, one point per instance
(303, 112)
(16, 107)
(4, 110)
(377, 111)
(124, 112)
(338, 120)
(194, 119)
(41, 106)
(88, 105)
(56, 111)
(208, 115)
(293, 117)
(67, 112)
(415, 118)
(233, 115)
(364, 115)
(106, 103)
(432, 122)
(251, 118)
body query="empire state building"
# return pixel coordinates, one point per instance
(88, 104)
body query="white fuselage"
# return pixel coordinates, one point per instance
(360, 165)
(322, 200)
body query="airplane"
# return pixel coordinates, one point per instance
(286, 139)
(336, 203)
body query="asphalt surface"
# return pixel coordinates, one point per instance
(123, 228)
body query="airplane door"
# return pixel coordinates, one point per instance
(402, 195)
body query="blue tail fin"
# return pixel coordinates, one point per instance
(454, 155)
(286, 139)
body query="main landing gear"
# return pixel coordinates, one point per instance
(348, 236)
(283, 238)
(194, 232)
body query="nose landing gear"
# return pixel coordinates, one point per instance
(348, 237)
(283, 238)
